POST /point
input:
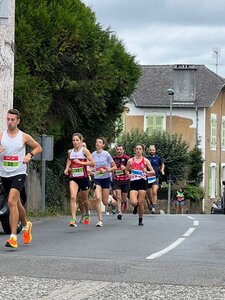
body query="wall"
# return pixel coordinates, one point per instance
(7, 65)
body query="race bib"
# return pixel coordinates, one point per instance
(78, 172)
(136, 173)
(151, 179)
(99, 172)
(10, 161)
(119, 172)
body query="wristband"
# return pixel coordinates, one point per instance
(31, 154)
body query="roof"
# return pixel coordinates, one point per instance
(193, 85)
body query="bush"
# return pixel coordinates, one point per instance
(194, 193)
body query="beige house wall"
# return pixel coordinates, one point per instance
(132, 122)
(214, 156)
(182, 126)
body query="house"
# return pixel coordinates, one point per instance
(196, 111)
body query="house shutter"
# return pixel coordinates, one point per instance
(223, 133)
(154, 122)
(213, 130)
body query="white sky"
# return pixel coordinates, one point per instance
(167, 31)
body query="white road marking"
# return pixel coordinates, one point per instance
(192, 218)
(189, 231)
(167, 249)
(177, 242)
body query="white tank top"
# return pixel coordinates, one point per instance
(11, 158)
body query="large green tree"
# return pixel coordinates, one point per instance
(70, 73)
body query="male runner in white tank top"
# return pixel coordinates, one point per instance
(13, 168)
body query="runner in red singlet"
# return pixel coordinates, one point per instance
(137, 169)
(76, 167)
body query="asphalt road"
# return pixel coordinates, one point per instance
(170, 257)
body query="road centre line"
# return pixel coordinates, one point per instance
(176, 243)
(167, 249)
(189, 231)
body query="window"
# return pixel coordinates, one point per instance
(213, 130)
(154, 122)
(212, 180)
(223, 133)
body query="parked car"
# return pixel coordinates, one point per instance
(4, 210)
(217, 207)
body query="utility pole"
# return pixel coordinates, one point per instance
(171, 94)
(7, 36)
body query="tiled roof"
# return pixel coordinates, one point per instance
(151, 90)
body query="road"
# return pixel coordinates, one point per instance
(170, 257)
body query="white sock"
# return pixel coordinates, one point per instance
(14, 236)
(25, 227)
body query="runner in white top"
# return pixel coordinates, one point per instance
(13, 161)
(104, 164)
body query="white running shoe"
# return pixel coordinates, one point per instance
(99, 224)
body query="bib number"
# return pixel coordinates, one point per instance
(78, 172)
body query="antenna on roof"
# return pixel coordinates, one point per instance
(216, 55)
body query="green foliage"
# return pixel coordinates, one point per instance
(57, 190)
(195, 174)
(173, 152)
(70, 74)
(194, 193)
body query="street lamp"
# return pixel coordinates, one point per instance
(170, 93)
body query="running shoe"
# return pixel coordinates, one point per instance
(107, 213)
(82, 219)
(11, 243)
(119, 216)
(153, 210)
(135, 209)
(113, 210)
(27, 236)
(99, 224)
(86, 219)
(140, 222)
(72, 223)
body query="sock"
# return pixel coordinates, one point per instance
(14, 236)
(25, 228)
(140, 220)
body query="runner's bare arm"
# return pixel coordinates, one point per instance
(35, 146)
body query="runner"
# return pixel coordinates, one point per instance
(81, 205)
(76, 167)
(137, 170)
(104, 164)
(120, 179)
(153, 182)
(13, 171)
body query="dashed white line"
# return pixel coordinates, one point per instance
(167, 249)
(177, 242)
(189, 231)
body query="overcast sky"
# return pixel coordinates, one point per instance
(167, 31)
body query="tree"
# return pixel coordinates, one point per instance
(195, 175)
(173, 152)
(70, 74)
